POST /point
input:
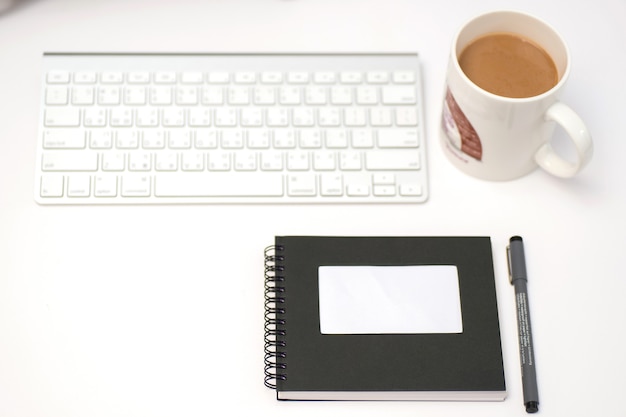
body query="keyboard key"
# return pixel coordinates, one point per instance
(121, 117)
(113, 161)
(350, 161)
(377, 77)
(410, 189)
(271, 77)
(245, 77)
(105, 186)
(78, 186)
(138, 77)
(112, 77)
(212, 95)
(140, 161)
(191, 78)
(336, 139)
(289, 95)
(383, 179)
(62, 117)
(272, 161)
(406, 116)
(341, 95)
(153, 139)
(358, 190)
(264, 95)
(329, 117)
(212, 184)
(404, 77)
(298, 77)
(367, 95)
(315, 95)
(136, 186)
(179, 139)
(206, 139)
(109, 95)
(324, 161)
(219, 161)
(100, 139)
(246, 161)
(135, 96)
(160, 96)
(166, 161)
(64, 139)
(251, 117)
(284, 139)
(192, 161)
(258, 139)
(277, 117)
(351, 77)
(303, 117)
(51, 186)
(58, 77)
(355, 116)
(173, 117)
(331, 185)
(388, 138)
(232, 139)
(85, 77)
(225, 117)
(301, 185)
(297, 161)
(147, 117)
(82, 95)
(199, 117)
(381, 116)
(362, 139)
(384, 190)
(187, 95)
(69, 161)
(165, 77)
(238, 95)
(57, 95)
(399, 95)
(128, 139)
(325, 77)
(392, 160)
(218, 77)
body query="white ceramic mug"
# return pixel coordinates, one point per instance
(500, 138)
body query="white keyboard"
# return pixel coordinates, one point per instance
(231, 128)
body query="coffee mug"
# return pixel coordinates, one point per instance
(498, 121)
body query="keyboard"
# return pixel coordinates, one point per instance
(231, 128)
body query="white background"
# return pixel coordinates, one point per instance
(158, 310)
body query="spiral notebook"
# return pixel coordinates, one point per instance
(382, 318)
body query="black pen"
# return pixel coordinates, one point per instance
(518, 278)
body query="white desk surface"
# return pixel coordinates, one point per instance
(158, 310)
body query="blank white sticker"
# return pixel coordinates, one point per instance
(389, 299)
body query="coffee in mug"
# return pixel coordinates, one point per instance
(505, 74)
(508, 65)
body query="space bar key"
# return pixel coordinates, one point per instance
(211, 184)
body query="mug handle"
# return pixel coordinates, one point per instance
(573, 125)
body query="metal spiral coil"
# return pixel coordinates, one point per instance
(274, 354)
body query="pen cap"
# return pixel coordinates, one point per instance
(516, 258)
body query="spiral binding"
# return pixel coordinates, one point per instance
(274, 353)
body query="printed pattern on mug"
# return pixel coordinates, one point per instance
(461, 134)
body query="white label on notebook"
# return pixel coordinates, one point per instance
(389, 299)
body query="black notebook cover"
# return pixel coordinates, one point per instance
(302, 363)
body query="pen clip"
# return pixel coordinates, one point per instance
(508, 263)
